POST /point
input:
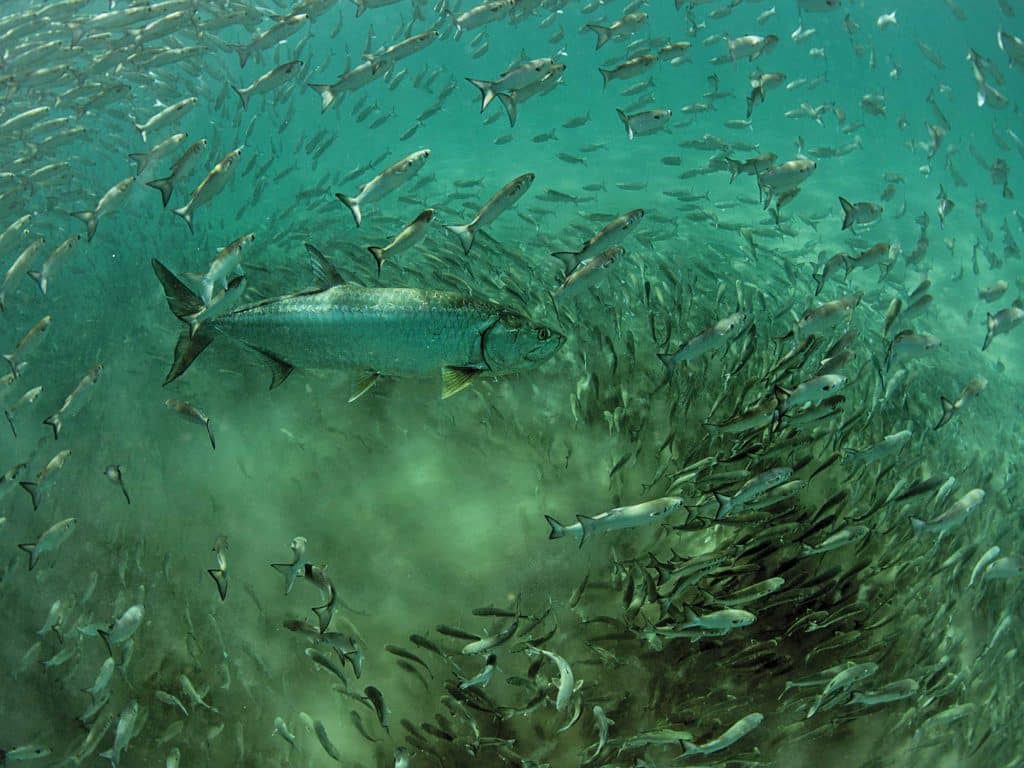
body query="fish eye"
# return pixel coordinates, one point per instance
(543, 334)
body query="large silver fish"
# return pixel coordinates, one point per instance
(379, 331)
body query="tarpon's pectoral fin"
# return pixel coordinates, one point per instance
(326, 273)
(455, 379)
(364, 384)
(279, 369)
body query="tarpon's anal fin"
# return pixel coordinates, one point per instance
(455, 379)
(280, 369)
(587, 526)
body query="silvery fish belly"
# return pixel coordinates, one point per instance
(392, 330)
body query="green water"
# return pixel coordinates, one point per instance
(425, 509)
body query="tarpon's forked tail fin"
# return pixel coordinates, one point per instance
(183, 302)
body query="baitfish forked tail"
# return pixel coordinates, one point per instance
(948, 412)
(90, 220)
(182, 302)
(848, 212)
(991, 325)
(165, 185)
(221, 578)
(465, 233)
(352, 203)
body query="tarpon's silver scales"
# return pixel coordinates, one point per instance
(379, 331)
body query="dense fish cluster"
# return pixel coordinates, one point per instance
(643, 388)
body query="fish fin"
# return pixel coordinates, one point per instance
(286, 570)
(364, 384)
(465, 234)
(625, 123)
(378, 256)
(666, 359)
(186, 213)
(327, 95)
(508, 101)
(455, 379)
(557, 529)
(243, 96)
(569, 258)
(243, 53)
(691, 748)
(180, 298)
(326, 273)
(324, 614)
(948, 409)
(40, 280)
(280, 369)
(723, 502)
(917, 525)
(603, 34)
(981, 97)
(105, 637)
(31, 547)
(848, 210)
(221, 578)
(588, 526)
(209, 431)
(819, 281)
(139, 158)
(990, 324)
(55, 423)
(605, 77)
(486, 88)
(10, 420)
(165, 186)
(690, 616)
(90, 220)
(352, 204)
(190, 345)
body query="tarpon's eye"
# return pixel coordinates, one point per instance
(543, 334)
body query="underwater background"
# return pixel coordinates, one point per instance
(893, 644)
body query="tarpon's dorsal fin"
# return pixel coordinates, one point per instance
(455, 379)
(279, 368)
(364, 384)
(326, 273)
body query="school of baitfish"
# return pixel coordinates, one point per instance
(698, 283)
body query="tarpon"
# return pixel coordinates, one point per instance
(377, 330)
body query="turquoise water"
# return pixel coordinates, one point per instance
(425, 509)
